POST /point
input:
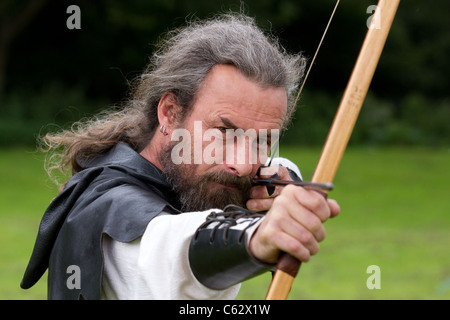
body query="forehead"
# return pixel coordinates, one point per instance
(226, 93)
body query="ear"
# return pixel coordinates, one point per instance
(168, 110)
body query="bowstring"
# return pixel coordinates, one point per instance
(273, 153)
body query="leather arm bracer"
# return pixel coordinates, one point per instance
(218, 253)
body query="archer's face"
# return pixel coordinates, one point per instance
(228, 100)
(228, 105)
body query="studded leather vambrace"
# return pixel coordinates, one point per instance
(218, 253)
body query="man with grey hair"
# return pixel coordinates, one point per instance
(132, 223)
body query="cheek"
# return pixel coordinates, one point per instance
(213, 148)
(262, 159)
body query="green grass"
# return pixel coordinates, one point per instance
(395, 214)
(25, 193)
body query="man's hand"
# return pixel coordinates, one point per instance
(260, 200)
(293, 224)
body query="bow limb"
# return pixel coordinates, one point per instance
(341, 128)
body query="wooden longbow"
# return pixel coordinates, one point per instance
(342, 127)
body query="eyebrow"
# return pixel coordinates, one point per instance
(228, 123)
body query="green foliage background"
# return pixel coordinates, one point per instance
(56, 76)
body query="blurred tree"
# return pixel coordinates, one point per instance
(14, 17)
(116, 37)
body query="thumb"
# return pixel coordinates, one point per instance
(267, 172)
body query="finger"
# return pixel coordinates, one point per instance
(310, 222)
(334, 208)
(299, 213)
(283, 173)
(302, 235)
(314, 202)
(287, 243)
(260, 192)
(267, 172)
(259, 205)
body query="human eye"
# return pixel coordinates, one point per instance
(262, 141)
(222, 129)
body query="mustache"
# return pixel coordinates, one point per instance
(228, 179)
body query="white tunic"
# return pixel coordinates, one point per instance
(156, 265)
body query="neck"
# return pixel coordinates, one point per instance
(153, 149)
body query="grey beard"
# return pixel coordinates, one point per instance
(195, 193)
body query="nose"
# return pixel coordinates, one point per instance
(239, 158)
(241, 170)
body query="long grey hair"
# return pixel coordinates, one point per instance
(180, 63)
